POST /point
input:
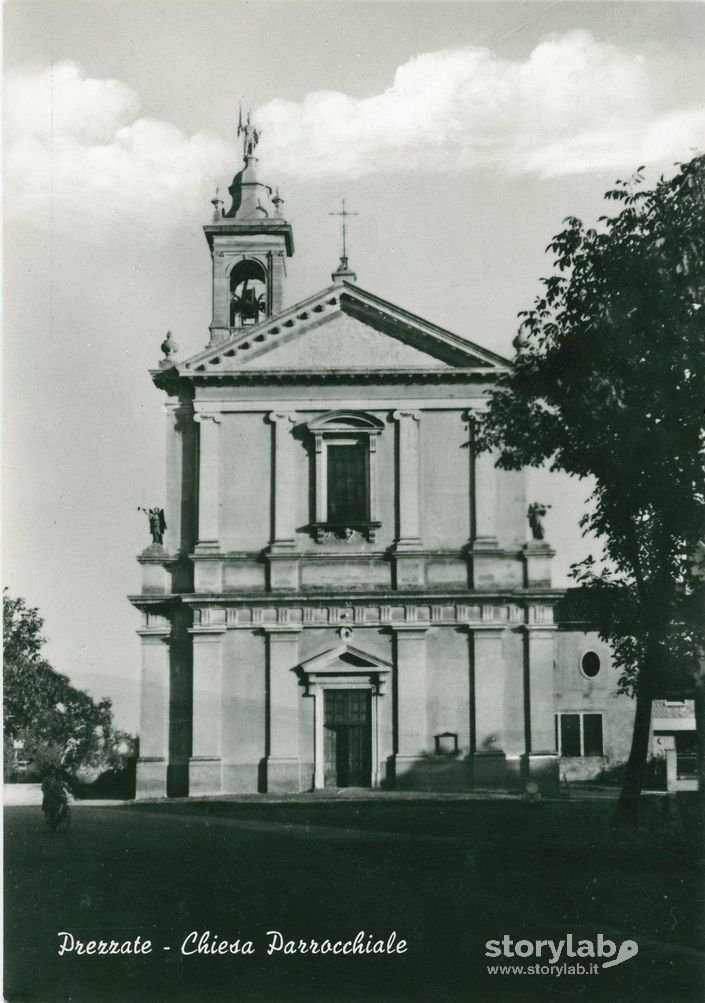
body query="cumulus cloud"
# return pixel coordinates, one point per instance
(574, 105)
(78, 152)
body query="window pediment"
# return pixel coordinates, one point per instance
(345, 475)
(345, 421)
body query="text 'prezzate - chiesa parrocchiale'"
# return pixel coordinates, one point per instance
(346, 594)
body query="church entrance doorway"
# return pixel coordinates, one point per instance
(347, 738)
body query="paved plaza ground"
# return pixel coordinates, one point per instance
(447, 876)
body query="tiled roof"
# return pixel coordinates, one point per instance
(576, 606)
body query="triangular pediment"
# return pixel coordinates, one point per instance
(345, 659)
(342, 329)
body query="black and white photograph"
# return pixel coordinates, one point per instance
(354, 501)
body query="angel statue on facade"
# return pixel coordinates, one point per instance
(157, 522)
(537, 512)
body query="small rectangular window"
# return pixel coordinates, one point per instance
(347, 483)
(579, 734)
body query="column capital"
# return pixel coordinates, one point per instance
(282, 632)
(403, 413)
(203, 416)
(409, 631)
(282, 417)
(154, 634)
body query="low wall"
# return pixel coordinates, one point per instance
(14, 794)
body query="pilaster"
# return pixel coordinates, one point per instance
(488, 690)
(208, 482)
(283, 564)
(411, 706)
(154, 709)
(483, 548)
(408, 562)
(283, 765)
(537, 564)
(205, 762)
(180, 477)
(485, 514)
(541, 760)
(221, 299)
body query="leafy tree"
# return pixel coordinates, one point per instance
(55, 721)
(609, 383)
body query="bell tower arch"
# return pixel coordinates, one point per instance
(249, 245)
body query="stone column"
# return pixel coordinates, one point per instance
(541, 760)
(488, 676)
(411, 769)
(205, 762)
(154, 709)
(409, 565)
(283, 566)
(283, 767)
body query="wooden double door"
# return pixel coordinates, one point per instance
(348, 738)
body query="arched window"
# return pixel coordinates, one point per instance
(248, 293)
(345, 475)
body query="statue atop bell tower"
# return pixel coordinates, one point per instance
(249, 245)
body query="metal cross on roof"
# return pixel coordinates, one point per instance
(344, 214)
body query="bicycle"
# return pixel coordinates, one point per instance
(57, 816)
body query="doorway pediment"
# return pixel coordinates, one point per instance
(345, 666)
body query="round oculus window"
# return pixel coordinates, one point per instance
(590, 664)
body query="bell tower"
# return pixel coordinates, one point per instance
(249, 246)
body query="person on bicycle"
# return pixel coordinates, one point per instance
(54, 788)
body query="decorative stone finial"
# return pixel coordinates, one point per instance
(170, 348)
(217, 204)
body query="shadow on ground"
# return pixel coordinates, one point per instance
(447, 877)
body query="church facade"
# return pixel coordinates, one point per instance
(346, 593)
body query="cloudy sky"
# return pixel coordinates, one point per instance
(462, 133)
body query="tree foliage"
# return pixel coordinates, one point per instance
(55, 721)
(609, 383)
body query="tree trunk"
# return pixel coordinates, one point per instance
(627, 811)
